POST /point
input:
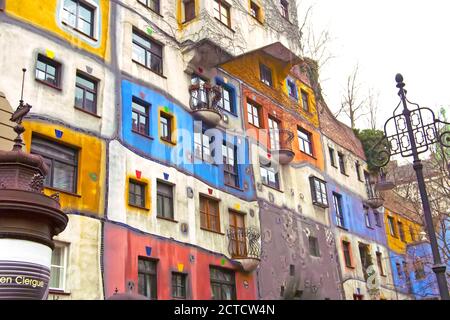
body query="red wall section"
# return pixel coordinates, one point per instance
(123, 247)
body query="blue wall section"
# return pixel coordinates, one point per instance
(354, 219)
(163, 152)
(402, 278)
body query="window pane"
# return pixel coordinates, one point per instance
(63, 176)
(85, 82)
(138, 54)
(57, 256)
(85, 26)
(79, 97)
(141, 40)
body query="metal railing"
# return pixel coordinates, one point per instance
(244, 242)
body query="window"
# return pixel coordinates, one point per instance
(165, 126)
(332, 159)
(391, 224)
(199, 96)
(399, 270)
(139, 115)
(284, 6)
(318, 191)
(313, 246)
(366, 260)
(222, 284)
(189, 10)
(380, 262)
(274, 134)
(179, 285)
(341, 163)
(412, 233)
(164, 200)
(238, 242)
(48, 71)
(230, 168)
(151, 4)
(401, 231)
(253, 113)
(147, 278)
(337, 201)
(270, 176)
(358, 170)
(136, 193)
(369, 190)
(305, 103)
(377, 216)
(147, 52)
(62, 162)
(292, 89)
(419, 269)
(226, 101)
(86, 93)
(266, 74)
(209, 214)
(58, 267)
(222, 12)
(367, 217)
(79, 15)
(305, 141)
(347, 253)
(255, 11)
(202, 146)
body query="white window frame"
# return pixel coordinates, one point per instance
(65, 246)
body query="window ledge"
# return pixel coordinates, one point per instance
(320, 205)
(151, 10)
(213, 231)
(58, 291)
(63, 191)
(138, 207)
(268, 186)
(48, 84)
(234, 187)
(168, 141)
(343, 228)
(142, 134)
(350, 267)
(256, 18)
(167, 219)
(153, 71)
(228, 27)
(79, 31)
(88, 112)
(309, 155)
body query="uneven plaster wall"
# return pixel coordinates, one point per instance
(125, 246)
(49, 102)
(7, 134)
(123, 165)
(47, 15)
(90, 194)
(83, 276)
(393, 241)
(286, 260)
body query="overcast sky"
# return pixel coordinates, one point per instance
(386, 37)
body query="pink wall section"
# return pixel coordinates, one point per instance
(123, 246)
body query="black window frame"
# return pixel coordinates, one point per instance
(302, 143)
(85, 89)
(152, 275)
(50, 160)
(48, 62)
(220, 282)
(314, 248)
(132, 194)
(87, 6)
(264, 72)
(140, 115)
(147, 4)
(200, 147)
(161, 195)
(230, 172)
(323, 193)
(159, 53)
(176, 285)
(338, 208)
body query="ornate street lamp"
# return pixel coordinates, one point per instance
(410, 132)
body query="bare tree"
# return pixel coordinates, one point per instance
(372, 108)
(352, 105)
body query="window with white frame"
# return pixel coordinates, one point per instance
(253, 113)
(202, 147)
(58, 268)
(270, 176)
(305, 141)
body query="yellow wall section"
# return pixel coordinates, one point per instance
(90, 192)
(394, 243)
(44, 14)
(247, 68)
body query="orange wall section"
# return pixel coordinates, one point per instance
(44, 14)
(89, 197)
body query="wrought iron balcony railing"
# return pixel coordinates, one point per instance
(243, 243)
(204, 100)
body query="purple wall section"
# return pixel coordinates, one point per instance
(286, 263)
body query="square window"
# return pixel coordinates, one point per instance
(270, 176)
(140, 116)
(164, 200)
(147, 52)
(147, 278)
(266, 74)
(223, 285)
(80, 16)
(48, 71)
(86, 93)
(179, 287)
(62, 162)
(203, 146)
(209, 213)
(136, 194)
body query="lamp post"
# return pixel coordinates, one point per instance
(410, 132)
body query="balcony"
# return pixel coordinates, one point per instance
(244, 247)
(281, 145)
(203, 102)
